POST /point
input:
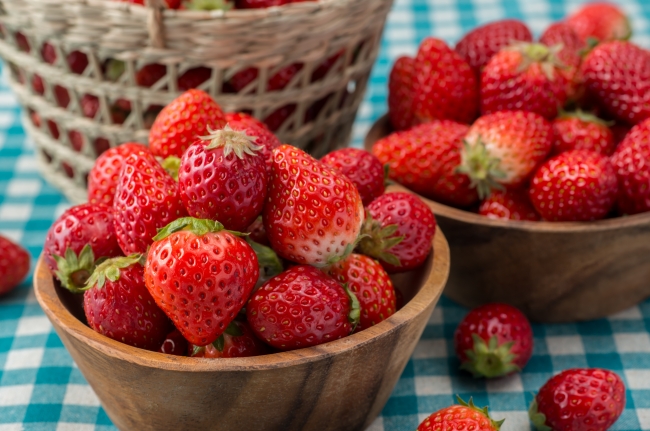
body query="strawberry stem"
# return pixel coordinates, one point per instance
(376, 240)
(489, 359)
(232, 141)
(110, 269)
(73, 271)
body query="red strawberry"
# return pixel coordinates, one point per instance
(181, 122)
(302, 307)
(193, 78)
(582, 131)
(77, 60)
(600, 21)
(587, 399)
(14, 265)
(574, 186)
(200, 275)
(570, 54)
(480, 44)
(277, 81)
(461, 417)
(362, 168)
(279, 117)
(425, 159)
(494, 340)
(445, 86)
(617, 74)
(174, 344)
(38, 85)
(400, 229)
(149, 74)
(118, 305)
(632, 163)
(243, 119)
(255, 128)
(504, 148)
(224, 178)
(510, 204)
(22, 42)
(104, 176)
(370, 283)
(76, 238)
(238, 341)
(525, 76)
(401, 94)
(146, 199)
(313, 214)
(254, 4)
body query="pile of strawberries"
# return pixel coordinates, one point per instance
(557, 129)
(216, 240)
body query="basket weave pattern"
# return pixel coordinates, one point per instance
(77, 109)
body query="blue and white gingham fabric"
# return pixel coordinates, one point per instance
(42, 389)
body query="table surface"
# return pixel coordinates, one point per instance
(42, 389)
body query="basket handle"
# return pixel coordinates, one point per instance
(155, 23)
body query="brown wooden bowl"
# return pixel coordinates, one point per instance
(553, 272)
(339, 386)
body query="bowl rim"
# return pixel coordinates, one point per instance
(382, 125)
(433, 285)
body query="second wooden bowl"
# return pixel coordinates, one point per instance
(553, 272)
(337, 386)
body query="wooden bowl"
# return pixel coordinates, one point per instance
(339, 386)
(553, 272)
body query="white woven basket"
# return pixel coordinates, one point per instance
(320, 110)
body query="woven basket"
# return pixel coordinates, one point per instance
(331, 44)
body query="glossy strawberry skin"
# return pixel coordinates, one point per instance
(146, 199)
(181, 122)
(480, 44)
(401, 95)
(242, 346)
(574, 186)
(362, 168)
(80, 225)
(457, 418)
(425, 158)
(253, 127)
(14, 265)
(632, 163)
(204, 289)
(313, 213)
(322, 303)
(601, 21)
(104, 176)
(372, 286)
(569, 56)
(125, 311)
(582, 400)
(512, 204)
(575, 134)
(616, 74)
(229, 189)
(174, 344)
(505, 322)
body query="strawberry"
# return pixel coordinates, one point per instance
(632, 163)
(149, 74)
(174, 344)
(525, 76)
(504, 148)
(425, 159)
(14, 265)
(255, 128)
(582, 131)
(38, 85)
(313, 214)
(512, 204)
(579, 399)
(574, 186)
(401, 94)
(146, 199)
(22, 42)
(276, 119)
(362, 168)
(494, 340)
(118, 305)
(277, 81)
(255, 4)
(569, 56)
(617, 74)
(370, 283)
(601, 22)
(461, 417)
(224, 178)
(77, 60)
(302, 307)
(238, 341)
(200, 275)
(76, 238)
(194, 77)
(182, 121)
(479, 45)
(399, 230)
(104, 176)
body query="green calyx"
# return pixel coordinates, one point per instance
(484, 411)
(232, 141)
(586, 117)
(209, 5)
(268, 261)
(354, 316)
(481, 167)
(73, 271)
(377, 240)
(232, 330)
(197, 226)
(490, 359)
(110, 269)
(115, 69)
(172, 165)
(387, 180)
(545, 56)
(538, 418)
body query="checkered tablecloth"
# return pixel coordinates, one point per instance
(42, 389)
